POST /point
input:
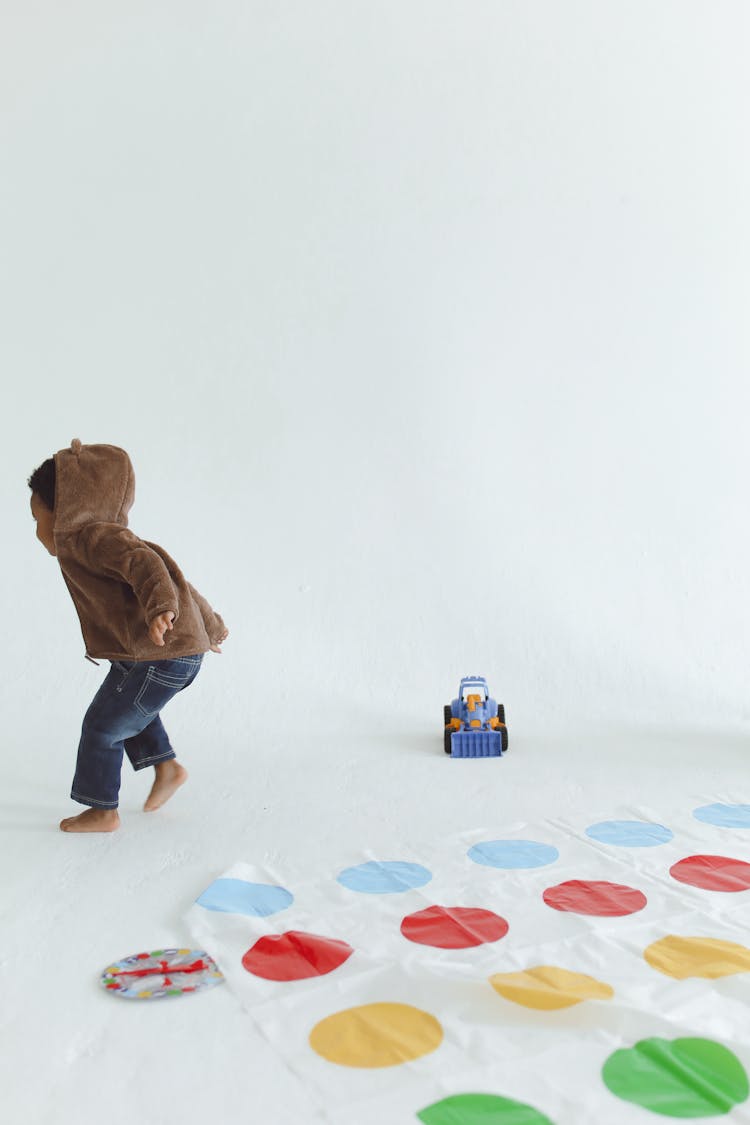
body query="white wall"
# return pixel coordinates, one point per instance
(425, 324)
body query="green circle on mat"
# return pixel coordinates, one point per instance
(678, 1077)
(481, 1109)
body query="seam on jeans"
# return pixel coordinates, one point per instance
(125, 674)
(166, 679)
(142, 762)
(139, 696)
(91, 801)
(163, 679)
(137, 700)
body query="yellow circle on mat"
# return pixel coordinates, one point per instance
(682, 957)
(547, 987)
(376, 1035)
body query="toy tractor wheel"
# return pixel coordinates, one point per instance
(447, 714)
(447, 741)
(504, 733)
(501, 712)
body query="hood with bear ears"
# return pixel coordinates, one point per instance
(93, 484)
(119, 583)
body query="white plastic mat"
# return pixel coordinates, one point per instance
(387, 997)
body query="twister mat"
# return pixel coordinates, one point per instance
(555, 973)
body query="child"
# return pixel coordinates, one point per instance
(133, 602)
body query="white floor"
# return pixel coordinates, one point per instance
(72, 904)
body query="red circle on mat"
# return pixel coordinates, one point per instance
(596, 897)
(295, 955)
(712, 872)
(453, 927)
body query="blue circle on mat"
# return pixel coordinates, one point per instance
(237, 896)
(726, 816)
(513, 853)
(389, 877)
(630, 833)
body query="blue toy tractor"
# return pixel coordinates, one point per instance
(474, 723)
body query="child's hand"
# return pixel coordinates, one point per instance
(222, 638)
(159, 626)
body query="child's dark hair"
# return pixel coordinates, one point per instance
(42, 481)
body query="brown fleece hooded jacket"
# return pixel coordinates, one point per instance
(120, 583)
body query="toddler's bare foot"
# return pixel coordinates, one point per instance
(170, 775)
(93, 820)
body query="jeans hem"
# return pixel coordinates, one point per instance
(143, 762)
(93, 803)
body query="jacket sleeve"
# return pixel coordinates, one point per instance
(120, 554)
(213, 623)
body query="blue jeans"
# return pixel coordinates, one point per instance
(124, 717)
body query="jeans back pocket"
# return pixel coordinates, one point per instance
(163, 680)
